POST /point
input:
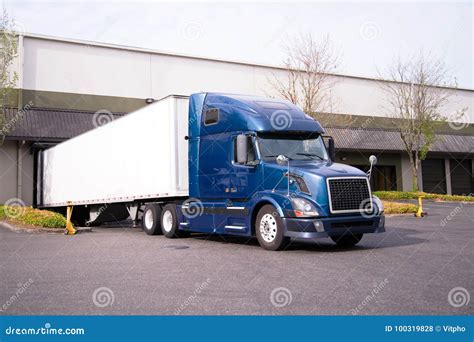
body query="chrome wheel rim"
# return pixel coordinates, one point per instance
(167, 221)
(268, 228)
(149, 219)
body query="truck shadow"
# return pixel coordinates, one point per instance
(390, 239)
(394, 237)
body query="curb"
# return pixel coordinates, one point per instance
(39, 230)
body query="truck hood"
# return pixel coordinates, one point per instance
(323, 169)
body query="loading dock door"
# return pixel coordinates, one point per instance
(384, 177)
(461, 177)
(434, 179)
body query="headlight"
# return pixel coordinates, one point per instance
(303, 208)
(378, 203)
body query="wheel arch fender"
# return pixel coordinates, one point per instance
(264, 200)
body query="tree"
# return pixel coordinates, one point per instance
(8, 78)
(416, 92)
(309, 64)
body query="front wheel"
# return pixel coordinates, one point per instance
(347, 240)
(269, 229)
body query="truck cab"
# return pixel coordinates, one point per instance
(260, 166)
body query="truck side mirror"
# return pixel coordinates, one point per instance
(332, 149)
(245, 151)
(282, 160)
(241, 149)
(372, 161)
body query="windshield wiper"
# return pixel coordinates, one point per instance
(310, 155)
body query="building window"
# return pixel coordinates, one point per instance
(211, 116)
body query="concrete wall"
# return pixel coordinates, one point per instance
(9, 185)
(8, 175)
(407, 175)
(95, 69)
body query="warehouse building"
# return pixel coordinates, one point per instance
(67, 87)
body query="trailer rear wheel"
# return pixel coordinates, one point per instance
(169, 222)
(269, 229)
(347, 240)
(151, 219)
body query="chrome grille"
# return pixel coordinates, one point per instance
(349, 195)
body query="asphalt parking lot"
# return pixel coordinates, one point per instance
(410, 269)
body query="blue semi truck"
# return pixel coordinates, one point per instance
(260, 167)
(240, 165)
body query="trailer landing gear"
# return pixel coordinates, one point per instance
(133, 211)
(70, 230)
(420, 212)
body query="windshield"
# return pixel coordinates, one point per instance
(292, 146)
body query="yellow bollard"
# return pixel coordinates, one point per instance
(70, 230)
(420, 212)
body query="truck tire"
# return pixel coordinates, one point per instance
(347, 240)
(151, 219)
(269, 229)
(169, 222)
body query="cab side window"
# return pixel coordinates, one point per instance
(211, 116)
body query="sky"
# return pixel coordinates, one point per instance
(368, 35)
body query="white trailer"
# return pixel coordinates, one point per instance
(143, 155)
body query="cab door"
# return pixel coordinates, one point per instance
(232, 212)
(246, 178)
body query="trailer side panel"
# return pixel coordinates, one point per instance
(142, 155)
